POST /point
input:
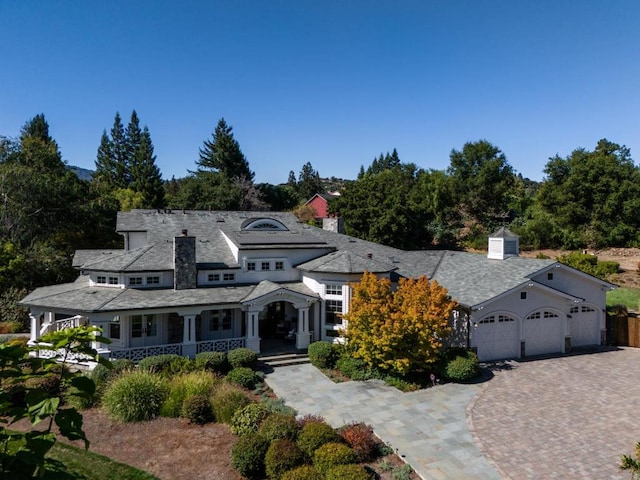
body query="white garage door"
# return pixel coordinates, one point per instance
(497, 337)
(543, 333)
(584, 326)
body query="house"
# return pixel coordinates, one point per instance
(194, 281)
(320, 204)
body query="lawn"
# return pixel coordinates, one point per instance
(629, 297)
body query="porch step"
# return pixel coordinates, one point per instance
(284, 359)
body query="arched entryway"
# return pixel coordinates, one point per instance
(278, 315)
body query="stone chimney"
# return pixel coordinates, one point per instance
(333, 224)
(185, 274)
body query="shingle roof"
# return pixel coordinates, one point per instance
(470, 278)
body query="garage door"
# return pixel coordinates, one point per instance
(497, 337)
(584, 326)
(543, 333)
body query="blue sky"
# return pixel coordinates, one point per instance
(334, 83)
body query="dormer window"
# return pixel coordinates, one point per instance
(101, 279)
(266, 266)
(279, 265)
(113, 280)
(251, 266)
(135, 281)
(153, 280)
(264, 225)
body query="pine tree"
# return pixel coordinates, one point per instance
(105, 164)
(309, 182)
(119, 154)
(133, 138)
(291, 181)
(222, 154)
(145, 175)
(37, 148)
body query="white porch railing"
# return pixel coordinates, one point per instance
(71, 357)
(58, 325)
(222, 345)
(138, 353)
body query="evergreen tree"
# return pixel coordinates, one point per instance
(37, 148)
(145, 175)
(223, 154)
(291, 181)
(105, 164)
(309, 182)
(119, 151)
(133, 138)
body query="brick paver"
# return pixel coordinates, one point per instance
(565, 417)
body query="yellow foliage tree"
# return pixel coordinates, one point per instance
(400, 331)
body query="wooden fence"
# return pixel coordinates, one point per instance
(625, 331)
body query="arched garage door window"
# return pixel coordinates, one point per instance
(496, 337)
(543, 333)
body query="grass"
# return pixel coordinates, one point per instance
(66, 462)
(629, 297)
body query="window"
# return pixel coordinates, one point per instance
(153, 280)
(266, 266)
(220, 320)
(114, 328)
(113, 280)
(550, 276)
(334, 308)
(135, 281)
(334, 289)
(229, 277)
(279, 265)
(101, 279)
(213, 277)
(136, 326)
(523, 295)
(251, 266)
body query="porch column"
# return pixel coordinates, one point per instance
(35, 328)
(302, 338)
(253, 337)
(189, 347)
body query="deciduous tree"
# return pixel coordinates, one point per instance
(400, 331)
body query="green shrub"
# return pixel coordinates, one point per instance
(135, 396)
(305, 472)
(347, 472)
(279, 426)
(197, 409)
(226, 399)
(278, 406)
(213, 361)
(282, 455)
(247, 456)
(313, 435)
(243, 357)
(158, 363)
(184, 386)
(463, 368)
(322, 354)
(248, 418)
(606, 267)
(244, 376)
(355, 368)
(20, 341)
(102, 375)
(361, 439)
(331, 454)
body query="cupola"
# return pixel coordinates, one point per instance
(503, 244)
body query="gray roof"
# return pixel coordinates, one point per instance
(266, 288)
(80, 297)
(470, 278)
(503, 232)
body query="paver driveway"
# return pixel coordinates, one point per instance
(566, 417)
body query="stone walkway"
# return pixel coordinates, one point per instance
(428, 428)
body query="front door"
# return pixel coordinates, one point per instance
(144, 330)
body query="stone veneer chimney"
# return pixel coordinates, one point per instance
(185, 274)
(333, 224)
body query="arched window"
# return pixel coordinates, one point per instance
(263, 225)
